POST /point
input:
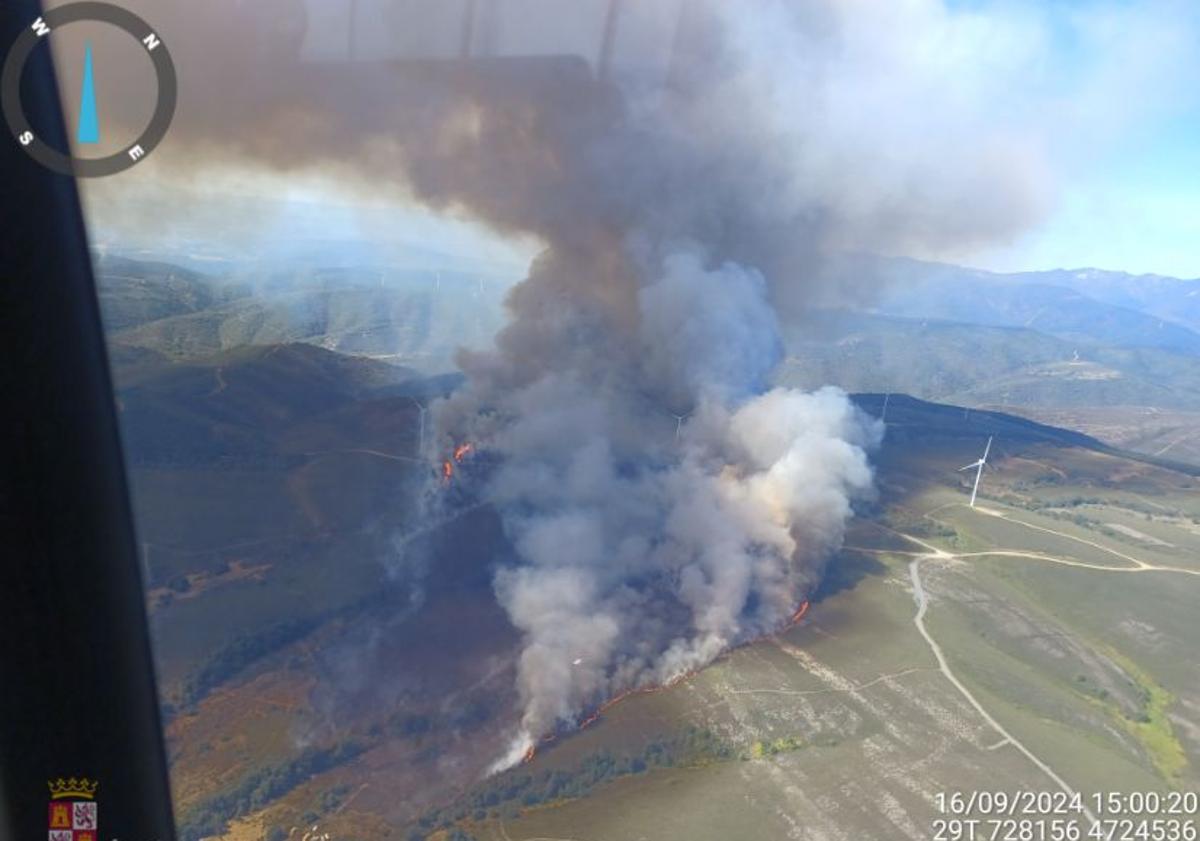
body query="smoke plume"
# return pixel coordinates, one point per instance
(662, 500)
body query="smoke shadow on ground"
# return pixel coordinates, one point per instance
(844, 572)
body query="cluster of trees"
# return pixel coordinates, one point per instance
(1080, 520)
(1098, 692)
(331, 798)
(1048, 477)
(1148, 512)
(784, 744)
(258, 788)
(919, 526)
(1035, 504)
(240, 652)
(508, 793)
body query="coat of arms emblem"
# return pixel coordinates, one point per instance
(73, 813)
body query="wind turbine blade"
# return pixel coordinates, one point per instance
(975, 489)
(969, 466)
(986, 450)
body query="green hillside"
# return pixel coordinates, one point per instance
(134, 292)
(1007, 343)
(417, 318)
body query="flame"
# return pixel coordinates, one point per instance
(460, 452)
(608, 705)
(642, 690)
(799, 614)
(595, 715)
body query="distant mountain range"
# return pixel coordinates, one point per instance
(1088, 306)
(972, 364)
(409, 316)
(1030, 342)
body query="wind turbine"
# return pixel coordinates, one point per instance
(978, 465)
(679, 419)
(422, 408)
(886, 398)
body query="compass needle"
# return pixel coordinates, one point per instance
(89, 123)
(127, 151)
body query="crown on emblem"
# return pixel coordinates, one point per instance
(82, 787)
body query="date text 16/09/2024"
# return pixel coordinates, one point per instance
(1061, 816)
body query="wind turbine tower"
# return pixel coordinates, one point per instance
(886, 398)
(978, 465)
(679, 419)
(422, 409)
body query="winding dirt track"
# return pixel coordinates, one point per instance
(920, 596)
(914, 571)
(365, 452)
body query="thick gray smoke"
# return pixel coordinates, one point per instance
(647, 545)
(664, 504)
(663, 501)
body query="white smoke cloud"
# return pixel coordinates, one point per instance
(640, 554)
(676, 225)
(678, 215)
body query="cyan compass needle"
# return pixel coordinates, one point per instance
(89, 122)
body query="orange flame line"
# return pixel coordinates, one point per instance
(647, 690)
(799, 614)
(460, 452)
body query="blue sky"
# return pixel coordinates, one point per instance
(1131, 202)
(1137, 210)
